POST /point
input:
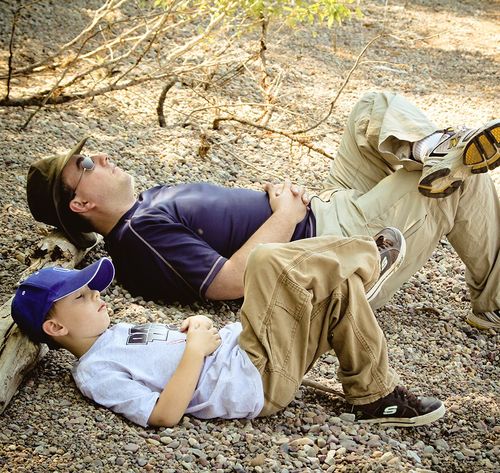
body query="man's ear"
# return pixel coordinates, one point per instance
(53, 328)
(80, 206)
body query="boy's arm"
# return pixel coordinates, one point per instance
(178, 392)
(201, 341)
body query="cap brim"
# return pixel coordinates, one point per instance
(97, 276)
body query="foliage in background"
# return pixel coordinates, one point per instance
(292, 12)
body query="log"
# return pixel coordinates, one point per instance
(18, 355)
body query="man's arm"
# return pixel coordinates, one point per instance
(289, 206)
(202, 340)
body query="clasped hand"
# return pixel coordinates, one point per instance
(201, 334)
(288, 198)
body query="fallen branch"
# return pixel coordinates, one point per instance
(47, 97)
(18, 355)
(290, 136)
(321, 387)
(11, 51)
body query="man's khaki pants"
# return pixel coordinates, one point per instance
(301, 300)
(373, 184)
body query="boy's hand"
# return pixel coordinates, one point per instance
(199, 319)
(200, 337)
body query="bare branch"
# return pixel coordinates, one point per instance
(100, 13)
(47, 97)
(322, 387)
(334, 101)
(161, 101)
(11, 51)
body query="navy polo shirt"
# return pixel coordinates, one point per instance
(175, 239)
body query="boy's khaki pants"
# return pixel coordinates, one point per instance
(301, 300)
(373, 184)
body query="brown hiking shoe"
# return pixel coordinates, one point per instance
(401, 408)
(392, 248)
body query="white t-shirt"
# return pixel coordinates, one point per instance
(129, 365)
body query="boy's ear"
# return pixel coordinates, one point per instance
(53, 328)
(80, 206)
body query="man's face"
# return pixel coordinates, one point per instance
(106, 185)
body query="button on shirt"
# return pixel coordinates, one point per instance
(172, 243)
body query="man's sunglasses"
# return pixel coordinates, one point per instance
(85, 163)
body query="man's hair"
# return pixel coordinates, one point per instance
(75, 220)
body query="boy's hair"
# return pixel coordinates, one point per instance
(35, 297)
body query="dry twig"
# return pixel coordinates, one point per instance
(161, 101)
(302, 141)
(334, 101)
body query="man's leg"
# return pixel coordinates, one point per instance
(377, 141)
(304, 298)
(374, 161)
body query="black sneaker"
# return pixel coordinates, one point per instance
(401, 408)
(392, 248)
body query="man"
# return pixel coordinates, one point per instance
(394, 168)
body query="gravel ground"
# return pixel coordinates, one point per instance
(453, 74)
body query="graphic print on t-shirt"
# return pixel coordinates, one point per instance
(145, 333)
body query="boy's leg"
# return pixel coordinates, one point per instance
(304, 298)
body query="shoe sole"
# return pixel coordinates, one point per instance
(482, 152)
(375, 289)
(480, 323)
(408, 422)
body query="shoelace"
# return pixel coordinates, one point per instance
(383, 243)
(406, 395)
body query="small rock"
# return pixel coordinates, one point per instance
(413, 456)
(301, 441)
(330, 457)
(387, 456)
(441, 444)
(459, 456)
(348, 417)
(258, 460)
(131, 447)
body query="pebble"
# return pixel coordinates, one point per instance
(131, 447)
(348, 417)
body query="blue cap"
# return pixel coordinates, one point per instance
(36, 294)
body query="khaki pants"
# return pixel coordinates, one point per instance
(301, 300)
(373, 184)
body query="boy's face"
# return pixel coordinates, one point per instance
(81, 315)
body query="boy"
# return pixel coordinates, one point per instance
(300, 302)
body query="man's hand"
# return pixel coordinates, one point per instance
(202, 338)
(202, 320)
(288, 199)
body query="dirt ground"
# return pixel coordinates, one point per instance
(443, 56)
